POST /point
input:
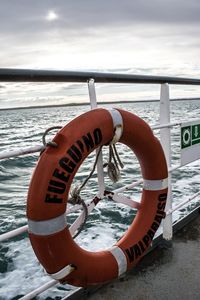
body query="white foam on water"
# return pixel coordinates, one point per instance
(97, 238)
(24, 273)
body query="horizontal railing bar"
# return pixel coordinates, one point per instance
(170, 211)
(29, 75)
(13, 233)
(39, 290)
(167, 125)
(19, 152)
(38, 148)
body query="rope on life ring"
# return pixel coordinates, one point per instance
(49, 192)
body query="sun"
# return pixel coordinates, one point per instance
(51, 16)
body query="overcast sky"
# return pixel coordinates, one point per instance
(139, 36)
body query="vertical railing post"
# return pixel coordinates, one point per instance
(93, 104)
(92, 93)
(165, 136)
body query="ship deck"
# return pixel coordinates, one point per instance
(167, 272)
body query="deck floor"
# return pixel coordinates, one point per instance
(165, 273)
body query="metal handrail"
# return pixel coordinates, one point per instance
(29, 75)
(40, 290)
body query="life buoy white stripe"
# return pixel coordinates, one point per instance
(155, 185)
(120, 258)
(117, 124)
(47, 227)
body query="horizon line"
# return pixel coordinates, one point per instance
(88, 103)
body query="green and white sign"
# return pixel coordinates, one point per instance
(190, 141)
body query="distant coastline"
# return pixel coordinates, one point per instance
(87, 103)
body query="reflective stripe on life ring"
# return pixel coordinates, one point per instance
(50, 185)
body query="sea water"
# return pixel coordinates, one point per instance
(20, 271)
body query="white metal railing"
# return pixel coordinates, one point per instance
(165, 136)
(40, 290)
(19, 152)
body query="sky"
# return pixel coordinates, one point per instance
(154, 37)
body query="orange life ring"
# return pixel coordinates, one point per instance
(49, 188)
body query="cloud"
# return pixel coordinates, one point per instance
(22, 15)
(93, 34)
